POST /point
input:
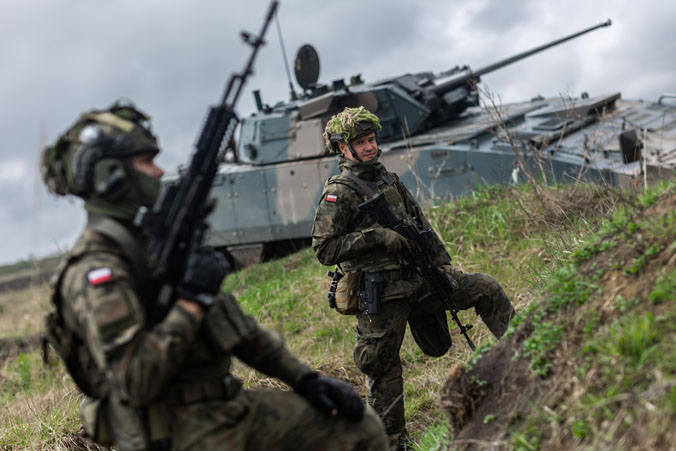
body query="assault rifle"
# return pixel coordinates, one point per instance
(176, 223)
(422, 255)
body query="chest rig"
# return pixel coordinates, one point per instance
(378, 259)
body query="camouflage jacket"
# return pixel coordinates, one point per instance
(179, 361)
(341, 234)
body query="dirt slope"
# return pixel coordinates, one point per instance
(585, 396)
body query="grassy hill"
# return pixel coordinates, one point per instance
(591, 363)
(531, 239)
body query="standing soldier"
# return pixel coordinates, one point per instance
(345, 236)
(169, 386)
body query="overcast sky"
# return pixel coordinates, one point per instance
(61, 57)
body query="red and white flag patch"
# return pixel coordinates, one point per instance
(99, 276)
(331, 198)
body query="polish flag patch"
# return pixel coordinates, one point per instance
(99, 276)
(331, 198)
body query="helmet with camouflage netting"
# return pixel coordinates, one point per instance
(349, 124)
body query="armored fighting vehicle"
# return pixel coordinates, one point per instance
(437, 135)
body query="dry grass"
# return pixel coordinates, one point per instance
(22, 312)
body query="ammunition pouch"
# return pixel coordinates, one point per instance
(76, 356)
(347, 293)
(111, 421)
(94, 422)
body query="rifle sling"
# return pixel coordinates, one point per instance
(121, 236)
(361, 187)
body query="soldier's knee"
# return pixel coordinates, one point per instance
(483, 292)
(487, 283)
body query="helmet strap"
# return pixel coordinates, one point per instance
(354, 154)
(371, 161)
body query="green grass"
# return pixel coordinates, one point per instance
(435, 438)
(490, 231)
(39, 404)
(632, 358)
(665, 288)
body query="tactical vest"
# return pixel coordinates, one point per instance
(377, 259)
(109, 420)
(69, 345)
(71, 348)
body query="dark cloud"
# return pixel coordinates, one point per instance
(173, 58)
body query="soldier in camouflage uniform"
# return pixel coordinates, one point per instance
(169, 386)
(354, 240)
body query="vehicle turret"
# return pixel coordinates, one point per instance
(406, 104)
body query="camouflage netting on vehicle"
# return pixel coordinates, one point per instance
(344, 125)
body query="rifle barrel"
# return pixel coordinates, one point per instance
(256, 44)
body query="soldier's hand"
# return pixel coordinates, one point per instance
(332, 396)
(204, 274)
(392, 240)
(454, 274)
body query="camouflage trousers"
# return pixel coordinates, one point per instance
(379, 339)
(271, 420)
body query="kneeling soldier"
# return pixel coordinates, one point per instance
(168, 385)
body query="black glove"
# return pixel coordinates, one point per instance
(331, 396)
(204, 274)
(453, 274)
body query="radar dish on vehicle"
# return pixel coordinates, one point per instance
(307, 66)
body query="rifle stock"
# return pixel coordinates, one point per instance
(175, 225)
(421, 254)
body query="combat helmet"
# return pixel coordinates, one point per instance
(350, 124)
(91, 160)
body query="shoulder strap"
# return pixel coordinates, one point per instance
(412, 210)
(361, 187)
(121, 236)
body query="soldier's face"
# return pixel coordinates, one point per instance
(145, 163)
(366, 148)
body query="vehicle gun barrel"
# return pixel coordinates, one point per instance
(467, 75)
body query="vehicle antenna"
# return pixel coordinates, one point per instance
(35, 212)
(286, 62)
